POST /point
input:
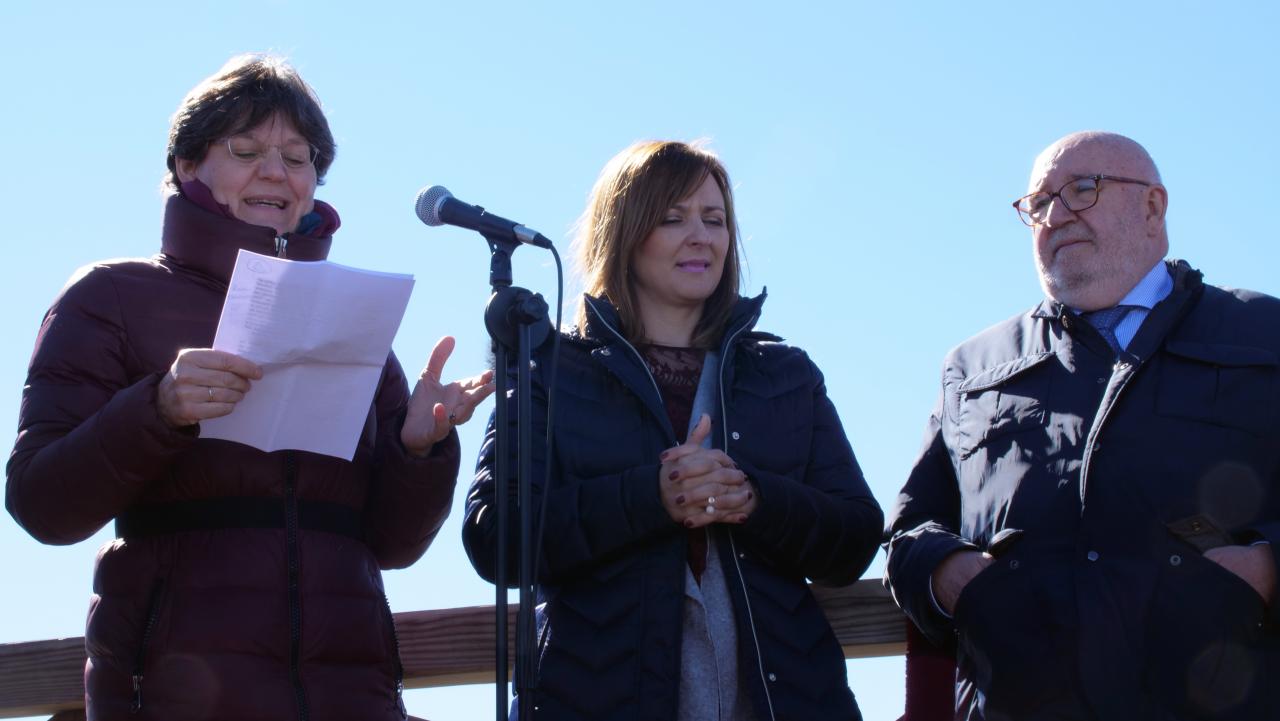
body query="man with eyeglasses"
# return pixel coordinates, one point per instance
(1090, 521)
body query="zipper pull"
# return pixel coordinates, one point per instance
(136, 706)
(282, 243)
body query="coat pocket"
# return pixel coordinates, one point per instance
(999, 401)
(1205, 640)
(1224, 385)
(1011, 644)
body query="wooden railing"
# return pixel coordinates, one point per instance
(445, 647)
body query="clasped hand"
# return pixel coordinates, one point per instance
(700, 486)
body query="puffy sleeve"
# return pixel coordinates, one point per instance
(923, 531)
(410, 497)
(819, 519)
(90, 437)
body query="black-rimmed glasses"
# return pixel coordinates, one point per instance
(1076, 195)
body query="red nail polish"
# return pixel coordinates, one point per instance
(674, 475)
(663, 455)
(749, 495)
(688, 523)
(679, 500)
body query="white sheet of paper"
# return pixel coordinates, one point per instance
(321, 332)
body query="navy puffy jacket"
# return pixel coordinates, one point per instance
(612, 567)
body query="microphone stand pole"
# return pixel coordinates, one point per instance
(517, 321)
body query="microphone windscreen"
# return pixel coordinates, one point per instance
(428, 205)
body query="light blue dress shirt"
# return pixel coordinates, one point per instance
(1154, 287)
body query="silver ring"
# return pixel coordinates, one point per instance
(210, 389)
(711, 509)
(711, 500)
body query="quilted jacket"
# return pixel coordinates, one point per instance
(246, 584)
(613, 562)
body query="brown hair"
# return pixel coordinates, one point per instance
(248, 90)
(635, 189)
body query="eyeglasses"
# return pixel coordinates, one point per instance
(295, 155)
(1076, 195)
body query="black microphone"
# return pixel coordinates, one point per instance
(437, 206)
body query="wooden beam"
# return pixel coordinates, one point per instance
(41, 677)
(446, 647)
(865, 619)
(451, 647)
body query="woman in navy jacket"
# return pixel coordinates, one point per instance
(699, 476)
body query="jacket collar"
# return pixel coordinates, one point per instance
(604, 325)
(623, 360)
(743, 317)
(206, 242)
(1187, 287)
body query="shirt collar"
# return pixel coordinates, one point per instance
(1154, 287)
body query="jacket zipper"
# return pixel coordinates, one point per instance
(733, 546)
(153, 614)
(724, 429)
(395, 650)
(751, 622)
(295, 596)
(291, 547)
(643, 364)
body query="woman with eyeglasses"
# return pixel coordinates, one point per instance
(242, 584)
(699, 476)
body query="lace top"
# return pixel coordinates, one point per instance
(676, 371)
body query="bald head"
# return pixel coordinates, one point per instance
(1125, 153)
(1092, 257)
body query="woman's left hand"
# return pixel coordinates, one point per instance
(717, 503)
(701, 486)
(435, 408)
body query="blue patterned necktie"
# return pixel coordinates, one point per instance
(1106, 320)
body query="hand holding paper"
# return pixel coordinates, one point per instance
(203, 383)
(321, 333)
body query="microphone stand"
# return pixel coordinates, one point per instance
(517, 321)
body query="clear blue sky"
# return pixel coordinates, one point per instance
(874, 148)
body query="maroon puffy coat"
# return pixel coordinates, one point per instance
(246, 585)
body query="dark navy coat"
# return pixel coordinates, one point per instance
(613, 561)
(1117, 473)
